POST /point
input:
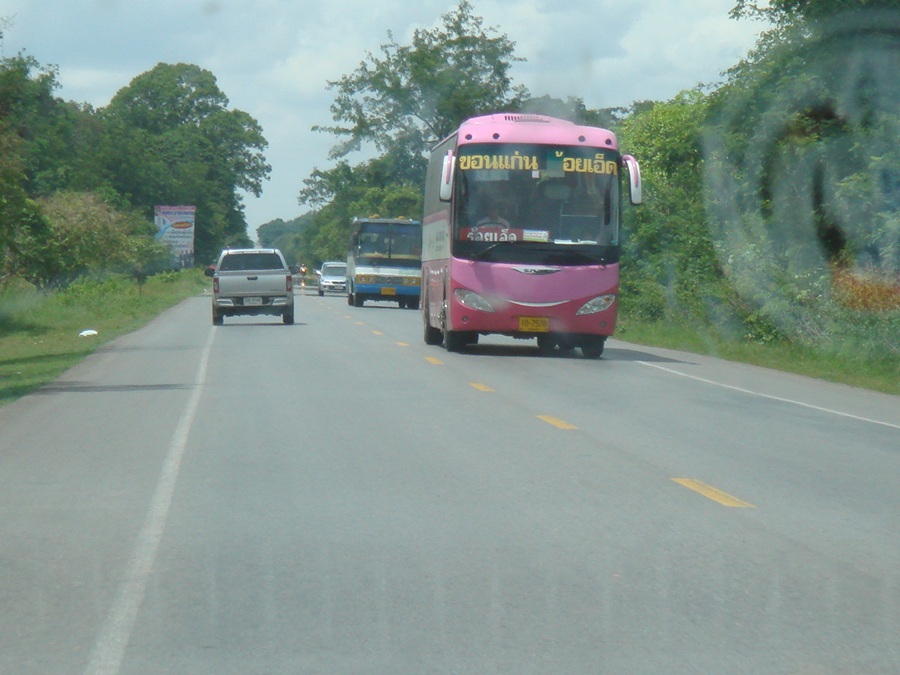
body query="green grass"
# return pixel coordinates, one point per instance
(39, 333)
(845, 366)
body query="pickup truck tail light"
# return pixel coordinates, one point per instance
(289, 283)
(215, 284)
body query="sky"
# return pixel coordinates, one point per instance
(274, 58)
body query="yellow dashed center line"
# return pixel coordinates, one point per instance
(403, 344)
(480, 387)
(377, 332)
(713, 493)
(555, 421)
(434, 361)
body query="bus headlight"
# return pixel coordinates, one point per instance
(595, 305)
(412, 281)
(472, 300)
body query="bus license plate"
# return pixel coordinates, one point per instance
(534, 324)
(253, 301)
(389, 291)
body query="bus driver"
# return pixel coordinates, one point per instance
(492, 217)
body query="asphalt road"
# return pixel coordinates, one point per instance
(338, 497)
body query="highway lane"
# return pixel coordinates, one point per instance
(335, 496)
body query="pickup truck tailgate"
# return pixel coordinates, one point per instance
(244, 283)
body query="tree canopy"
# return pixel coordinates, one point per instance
(416, 94)
(781, 12)
(167, 138)
(176, 142)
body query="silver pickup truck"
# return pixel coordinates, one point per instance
(252, 281)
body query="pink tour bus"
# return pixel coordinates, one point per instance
(521, 233)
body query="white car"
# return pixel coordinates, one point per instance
(333, 277)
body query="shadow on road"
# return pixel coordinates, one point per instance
(529, 350)
(618, 354)
(86, 388)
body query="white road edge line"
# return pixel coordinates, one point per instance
(108, 652)
(769, 396)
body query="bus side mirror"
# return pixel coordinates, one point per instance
(634, 178)
(447, 177)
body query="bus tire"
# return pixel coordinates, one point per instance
(412, 303)
(592, 347)
(358, 300)
(433, 336)
(454, 341)
(547, 344)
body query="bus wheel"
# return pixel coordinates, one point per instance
(454, 341)
(433, 336)
(413, 303)
(566, 344)
(358, 300)
(592, 347)
(546, 344)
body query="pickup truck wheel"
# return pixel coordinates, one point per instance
(218, 319)
(288, 318)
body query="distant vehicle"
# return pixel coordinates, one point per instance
(252, 281)
(521, 233)
(333, 277)
(384, 261)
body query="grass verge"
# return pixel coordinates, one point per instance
(844, 366)
(39, 333)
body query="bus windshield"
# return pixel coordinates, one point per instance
(537, 203)
(389, 244)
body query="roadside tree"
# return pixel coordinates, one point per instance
(174, 141)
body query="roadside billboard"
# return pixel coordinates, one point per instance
(175, 226)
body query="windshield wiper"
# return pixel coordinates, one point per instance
(480, 254)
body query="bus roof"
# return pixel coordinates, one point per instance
(527, 128)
